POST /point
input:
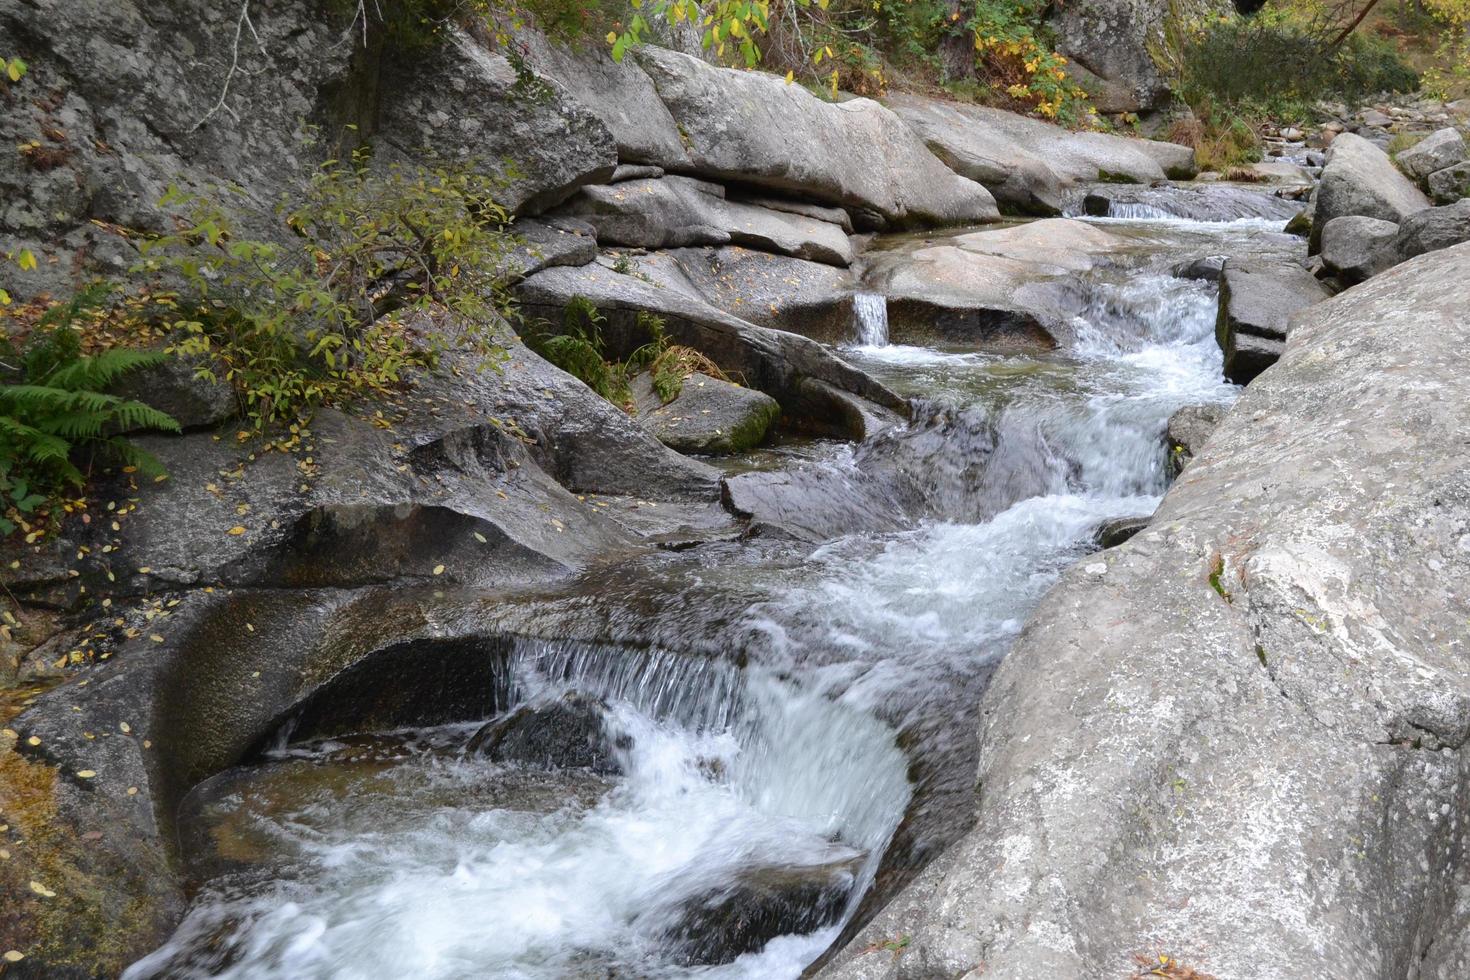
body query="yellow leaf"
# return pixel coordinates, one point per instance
(438, 569)
(27, 260)
(155, 637)
(4, 298)
(479, 537)
(14, 956)
(612, 37)
(235, 531)
(86, 774)
(42, 890)
(790, 77)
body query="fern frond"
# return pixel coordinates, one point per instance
(136, 415)
(100, 370)
(133, 455)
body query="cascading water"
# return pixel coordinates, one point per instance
(415, 858)
(870, 319)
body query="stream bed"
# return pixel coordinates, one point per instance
(749, 801)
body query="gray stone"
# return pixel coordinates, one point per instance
(1440, 149)
(471, 104)
(1187, 431)
(1431, 230)
(708, 417)
(1451, 184)
(569, 732)
(1280, 172)
(1257, 301)
(835, 216)
(634, 171)
(772, 361)
(1206, 267)
(1112, 533)
(174, 387)
(1228, 739)
(753, 128)
(1003, 288)
(544, 243)
(1360, 179)
(1133, 44)
(1352, 247)
(808, 298)
(672, 212)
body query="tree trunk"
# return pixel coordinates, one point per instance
(957, 46)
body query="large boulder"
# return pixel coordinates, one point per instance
(708, 417)
(1132, 45)
(1005, 287)
(1360, 179)
(1431, 230)
(1257, 302)
(1352, 246)
(1238, 739)
(671, 212)
(809, 298)
(1440, 149)
(753, 128)
(123, 108)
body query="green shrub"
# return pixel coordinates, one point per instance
(1275, 64)
(56, 416)
(321, 320)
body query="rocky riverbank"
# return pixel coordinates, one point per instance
(1233, 738)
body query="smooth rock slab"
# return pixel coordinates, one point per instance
(1239, 738)
(753, 128)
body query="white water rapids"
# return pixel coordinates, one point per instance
(406, 857)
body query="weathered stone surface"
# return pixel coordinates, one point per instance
(620, 94)
(753, 128)
(673, 212)
(1004, 287)
(172, 387)
(835, 216)
(1133, 44)
(1206, 267)
(708, 417)
(634, 171)
(1187, 431)
(135, 97)
(550, 242)
(1431, 230)
(1280, 172)
(1451, 184)
(1112, 533)
(772, 361)
(809, 298)
(468, 103)
(1360, 179)
(1352, 245)
(1239, 738)
(1257, 300)
(569, 732)
(1440, 149)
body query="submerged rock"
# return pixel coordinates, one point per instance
(757, 906)
(567, 733)
(1252, 715)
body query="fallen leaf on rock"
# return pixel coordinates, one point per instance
(86, 774)
(236, 531)
(42, 890)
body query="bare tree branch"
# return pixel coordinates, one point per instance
(240, 25)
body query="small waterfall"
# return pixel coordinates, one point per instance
(870, 317)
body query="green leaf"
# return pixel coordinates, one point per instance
(15, 69)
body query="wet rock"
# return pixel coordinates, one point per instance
(1300, 224)
(1207, 203)
(1363, 718)
(1257, 301)
(1360, 179)
(1207, 268)
(1352, 247)
(708, 417)
(767, 360)
(1187, 431)
(753, 128)
(567, 733)
(1451, 184)
(1112, 533)
(1006, 288)
(1437, 151)
(760, 904)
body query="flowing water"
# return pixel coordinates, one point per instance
(823, 751)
